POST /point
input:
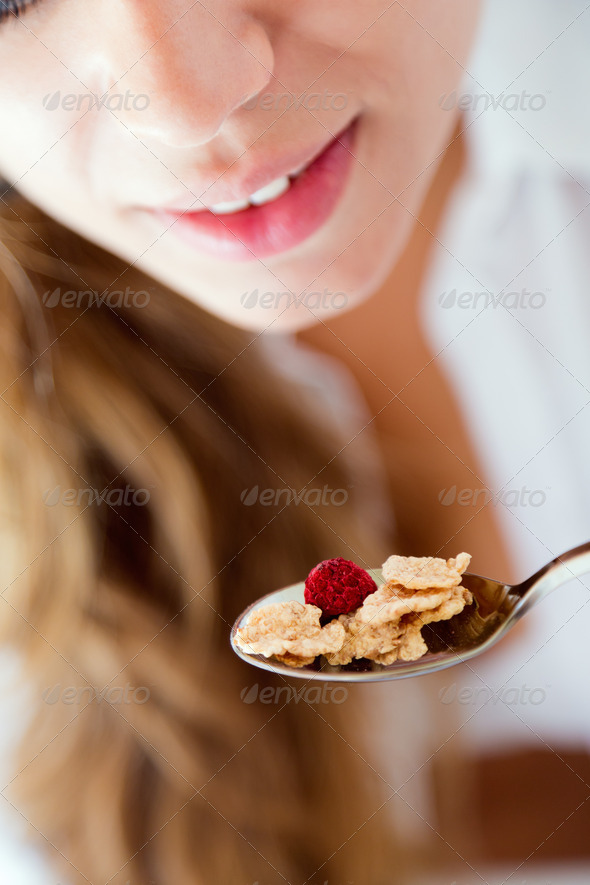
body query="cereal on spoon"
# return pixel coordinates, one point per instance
(381, 624)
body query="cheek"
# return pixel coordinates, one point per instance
(451, 25)
(40, 143)
(408, 56)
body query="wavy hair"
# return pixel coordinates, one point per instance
(106, 594)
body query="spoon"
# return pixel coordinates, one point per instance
(495, 609)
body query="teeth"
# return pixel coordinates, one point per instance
(228, 208)
(271, 192)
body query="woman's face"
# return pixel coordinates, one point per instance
(173, 132)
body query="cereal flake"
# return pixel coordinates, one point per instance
(291, 631)
(425, 572)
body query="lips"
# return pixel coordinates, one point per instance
(261, 231)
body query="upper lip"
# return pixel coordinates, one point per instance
(242, 180)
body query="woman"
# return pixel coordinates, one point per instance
(267, 164)
(120, 120)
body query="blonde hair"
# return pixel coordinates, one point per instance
(193, 785)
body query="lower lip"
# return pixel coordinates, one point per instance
(263, 231)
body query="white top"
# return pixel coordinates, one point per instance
(519, 228)
(19, 863)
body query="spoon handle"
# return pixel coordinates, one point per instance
(572, 564)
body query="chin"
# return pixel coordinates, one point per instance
(284, 312)
(350, 281)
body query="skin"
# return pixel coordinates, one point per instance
(200, 64)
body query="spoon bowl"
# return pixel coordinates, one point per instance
(495, 609)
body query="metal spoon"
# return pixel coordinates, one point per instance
(495, 610)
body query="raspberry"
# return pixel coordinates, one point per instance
(338, 586)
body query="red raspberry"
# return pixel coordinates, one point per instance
(338, 586)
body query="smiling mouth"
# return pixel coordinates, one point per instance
(275, 218)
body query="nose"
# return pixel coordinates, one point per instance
(184, 67)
